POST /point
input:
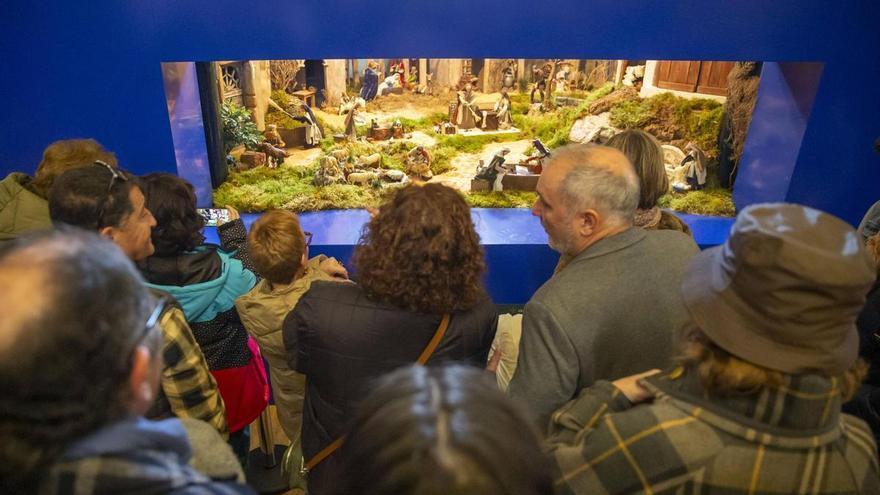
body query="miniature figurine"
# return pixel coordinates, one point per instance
(329, 172)
(397, 129)
(495, 171)
(694, 164)
(502, 110)
(350, 130)
(508, 75)
(371, 81)
(273, 137)
(369, 161)
(348, 103)
(535, 163)
(562, 78)
(392, 81)
(418, 163)
(275, 155)
(413, 80)
(341, 154)
(466, 114)
(314, 134)
(362, 178)
(539, 78)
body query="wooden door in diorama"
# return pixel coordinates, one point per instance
(315, 78)
(680, 75)
(713, 78)
(693, 76)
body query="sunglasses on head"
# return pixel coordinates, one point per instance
(114, 176)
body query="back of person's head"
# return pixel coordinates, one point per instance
(64, 155)
(92, 197)
(780, 297)
(74, 312)
(172, 202)
(646, 155)
(600, 178)
(277, 246)
(421, 252)
(442, 430)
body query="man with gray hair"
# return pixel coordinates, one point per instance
(613, 308)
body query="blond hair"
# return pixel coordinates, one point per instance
(64, 155)
(276, 243)
(725, 374)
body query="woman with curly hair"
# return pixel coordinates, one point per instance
(206, 280)
(418, 259)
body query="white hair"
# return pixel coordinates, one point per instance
(591, 184)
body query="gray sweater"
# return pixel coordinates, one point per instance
(614, 310)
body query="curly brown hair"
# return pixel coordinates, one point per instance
(421, 252)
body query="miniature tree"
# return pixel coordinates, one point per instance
(551, 79)
(283, 72)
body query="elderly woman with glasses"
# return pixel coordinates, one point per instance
(205, 280)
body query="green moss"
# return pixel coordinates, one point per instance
(337, 197)
(261, 189)
(672, 118)
(424, 124)
(553, 127)
(474, 144)
(501, 199)
(718, 202)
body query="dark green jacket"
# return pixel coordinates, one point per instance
(790, 439)
(20, 209)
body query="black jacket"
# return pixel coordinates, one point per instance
(866, 403)
(342, 342)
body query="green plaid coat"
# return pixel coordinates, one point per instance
(791, 439)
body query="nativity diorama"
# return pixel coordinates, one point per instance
(311, 135)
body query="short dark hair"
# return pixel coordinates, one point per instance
(90, 198)
(65, 370)
(422, 253)
(172, 201)
(449, 430)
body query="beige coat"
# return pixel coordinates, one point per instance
(262, 310)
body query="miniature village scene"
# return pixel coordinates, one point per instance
(311, 135)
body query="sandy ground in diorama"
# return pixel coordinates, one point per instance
(603, 110)
(464, 165)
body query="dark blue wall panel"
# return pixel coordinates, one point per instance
(92, 69)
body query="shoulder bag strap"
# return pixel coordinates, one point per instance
(423, 358)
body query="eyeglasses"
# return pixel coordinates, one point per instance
(114, 175)
(308, 238)
(152, 320)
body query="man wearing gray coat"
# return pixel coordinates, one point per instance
(615, 308)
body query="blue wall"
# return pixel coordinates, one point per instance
(92, 68)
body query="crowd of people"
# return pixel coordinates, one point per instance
(134, 356)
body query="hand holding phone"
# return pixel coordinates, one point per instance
(215, 216)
